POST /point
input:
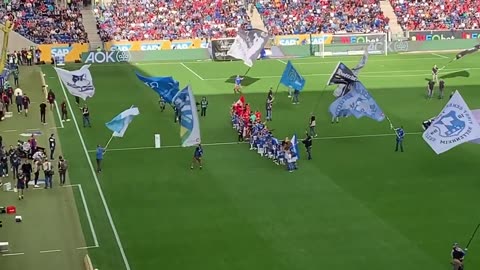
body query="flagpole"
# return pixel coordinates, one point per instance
(247, 72)
(276, 90)
(108, 143)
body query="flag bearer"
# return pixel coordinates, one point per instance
(400, 134)
(197, 156)
(162, 104)
(458, 255)
(238, 85)
(313, 124)
(203, 106)
(308, 144)
(435, 73)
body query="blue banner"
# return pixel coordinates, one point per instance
(291, 78)
(166, 87)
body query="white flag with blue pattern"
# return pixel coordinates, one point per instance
(120, 123)
(455, 125)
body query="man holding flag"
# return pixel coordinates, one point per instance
(291, 78)
(118, 125)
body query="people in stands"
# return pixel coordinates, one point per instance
(437, 15)
(323, 16)
(138, 20)
(43, 22)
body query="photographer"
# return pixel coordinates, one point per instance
(308, 144)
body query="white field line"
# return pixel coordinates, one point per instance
(281, 61)
(296, 61)
(234, 143)
(99, 187)
(13, 254)
(389, 74)
(193, 72)
(58, 114)
(87, 212)
(50, 251)
(441, 56)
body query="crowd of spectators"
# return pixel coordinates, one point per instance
(437, 14)
(43, 22)
(284, 17)
(175, 19)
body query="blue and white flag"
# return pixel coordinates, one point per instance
(362, 63)
(291, 78)
(119, 123)
(357, 102)
(78, 82)
(189, 123)
(295, 149)
(166, 87)
(455, 125)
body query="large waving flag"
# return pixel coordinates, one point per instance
(248, 45)
(166, 87)
(78, 82)
(189, 123)
(476, 114)
(357, 102)
(119, 123)
(342, 89)
(455, 125)
(342, 75)
(291, 77)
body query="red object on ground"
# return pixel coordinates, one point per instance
(11, 209)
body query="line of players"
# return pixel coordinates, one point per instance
(250, 128)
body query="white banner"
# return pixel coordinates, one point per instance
(78, 82)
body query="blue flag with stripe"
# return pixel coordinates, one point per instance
(295, 149)
(291, 78)
(166, 87)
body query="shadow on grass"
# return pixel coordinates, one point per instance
(461, 73)
(245, 82)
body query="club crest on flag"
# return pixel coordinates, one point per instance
(455, 125)
(78, 82)
(81, 83)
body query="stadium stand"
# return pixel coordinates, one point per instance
(437, 15)
(44, 23)
(158, 19)
(327, 16)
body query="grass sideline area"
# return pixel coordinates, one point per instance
(356, 205)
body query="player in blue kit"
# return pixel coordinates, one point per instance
(197, 156)
(238, 84)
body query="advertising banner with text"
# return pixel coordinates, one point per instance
(443, 34)
(155, 45)
(303, 39)
(70, 52)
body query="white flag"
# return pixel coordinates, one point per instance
(455, 125)
(78, 82)
(248, 45)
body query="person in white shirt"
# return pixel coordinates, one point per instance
(312, 125)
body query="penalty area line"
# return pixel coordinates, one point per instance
(234, 143)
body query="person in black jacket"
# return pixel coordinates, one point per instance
(308, 144)
(458, 255)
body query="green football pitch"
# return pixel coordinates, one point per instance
(356, 205)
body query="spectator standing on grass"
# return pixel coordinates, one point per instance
(15, 160)
(15, 77)
(52, 144)
(197, 156)
(10, 94)
(99, 155)
(27, 171)
(37, 166)
(86, 116)
(6, 102)
(48, 172)
(3, 163)
(399, 138)
(203, 106)
(51, 98)
(21, 184)
(43, 111)
(162, 104)
(308, 144)
(441, 87)
(63, 108)
(62, 169)
(19, 102)
(25, 103)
